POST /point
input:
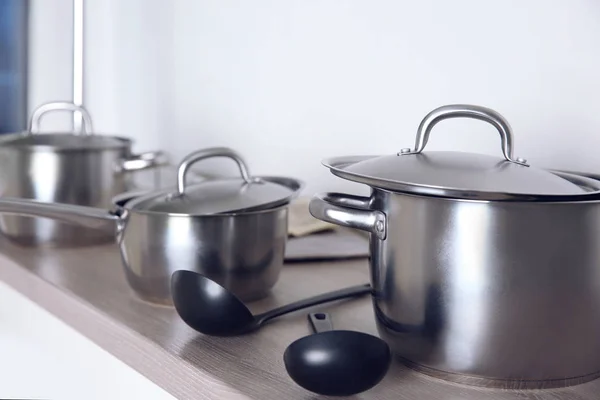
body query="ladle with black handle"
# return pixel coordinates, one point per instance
(336, 362)
(211, 309)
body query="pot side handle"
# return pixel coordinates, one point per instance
(350, 211)
(138, 162)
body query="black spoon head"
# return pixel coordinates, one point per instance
(207, 306)
(337, 363)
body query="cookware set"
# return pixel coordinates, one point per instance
(82, 168)
(233, 230)
(483, 269)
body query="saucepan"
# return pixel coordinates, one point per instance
(232, 230)
(83, 168)
(485, 270)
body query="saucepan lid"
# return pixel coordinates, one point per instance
(218, 195)
(86, 139)
(460, 174)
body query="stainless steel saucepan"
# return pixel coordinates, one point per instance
(233, 230)
(82, 168)
(485, 270)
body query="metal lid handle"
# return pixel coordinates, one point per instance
(199, 155)
(34, 122)
(466, 111)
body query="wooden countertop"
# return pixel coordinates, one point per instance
(86, 288)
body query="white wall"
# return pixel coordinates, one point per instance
(126, 71)
(50, 66)
(127, 68)
(287, 83)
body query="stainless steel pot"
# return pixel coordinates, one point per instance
(214, 227)
(480, 275)
(84, 169)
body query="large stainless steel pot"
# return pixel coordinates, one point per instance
(232, 230)
(485, 271)
(84, 169)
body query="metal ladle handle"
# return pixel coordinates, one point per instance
(34, 122)
(466, 111)
(199, 155)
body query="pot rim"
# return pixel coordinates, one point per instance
(337, 167)
(487, 201)
(5, 142)
(128, 200)
(183, 215)
(461, 174)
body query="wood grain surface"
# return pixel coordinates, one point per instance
(332, 245)
(86, 288)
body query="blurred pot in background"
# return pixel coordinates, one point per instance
(82, 168)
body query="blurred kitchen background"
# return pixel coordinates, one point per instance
(287, 83)
(13, 65)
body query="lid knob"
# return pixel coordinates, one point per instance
(34, 122)
(466, 111)
(199, 155)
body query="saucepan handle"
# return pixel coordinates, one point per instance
(34, 122)
(350, 211)
(138, 162)
(89, 217)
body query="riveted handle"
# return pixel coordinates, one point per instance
(466, 111)
(138, 162)
(34, 122)
(199, 155)
(348, 210)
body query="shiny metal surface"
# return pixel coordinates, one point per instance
(242, 252)
(219, 195)
(65, 168)
(204, 154)
(90, 217)
(501, 292)
(253, 194)
(456, 174)
(83, 178)
(466, 111)
(36, 116)
(339, 209)
(146, 160)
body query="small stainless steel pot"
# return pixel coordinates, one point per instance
(485, 271)
(216, 227)
(84, 169)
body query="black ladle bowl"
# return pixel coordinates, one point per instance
(211, 309)
(336, 362)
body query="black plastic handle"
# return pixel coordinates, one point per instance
(353, 291)
(321, 322)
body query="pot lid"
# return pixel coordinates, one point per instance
(84, 140)
(63, 141)
(218, 196)
(458, 174)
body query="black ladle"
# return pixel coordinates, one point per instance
(336, 362)
(211, 309)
